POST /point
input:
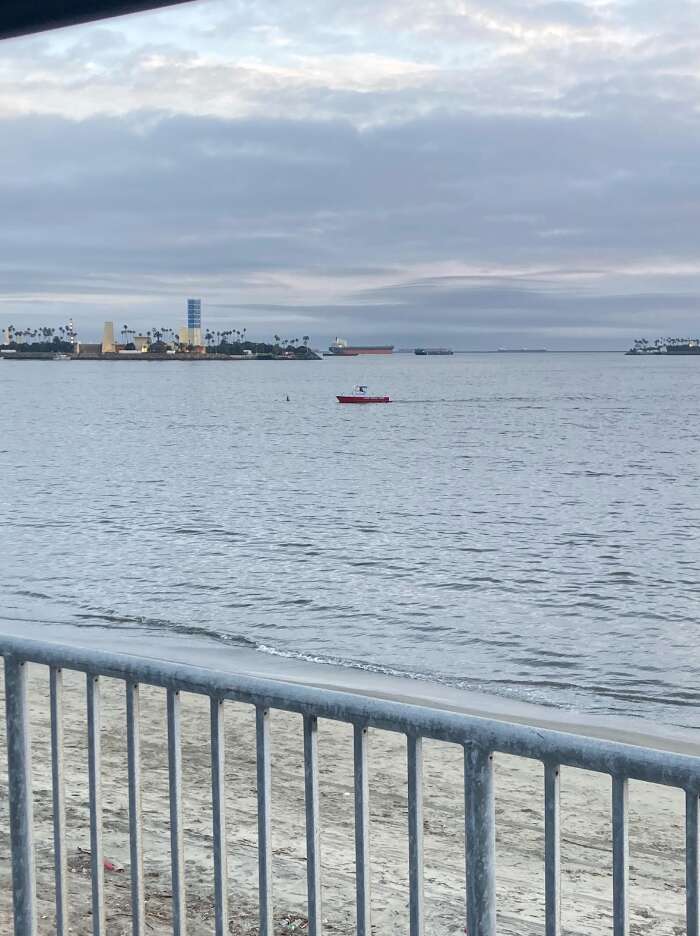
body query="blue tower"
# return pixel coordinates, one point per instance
(194, 321)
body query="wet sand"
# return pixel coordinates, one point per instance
(656, 819)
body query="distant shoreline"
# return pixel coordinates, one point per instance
(190, 358)
(530, 352)
(311, 356)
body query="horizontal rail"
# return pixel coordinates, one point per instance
(544, 744)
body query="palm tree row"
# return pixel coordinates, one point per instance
(65, 335)
(235, 336)
(226, 338)
(643, 344)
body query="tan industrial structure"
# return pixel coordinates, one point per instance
(108, 345)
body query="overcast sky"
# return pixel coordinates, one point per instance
(480, 174)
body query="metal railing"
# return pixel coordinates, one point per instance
(480, 738)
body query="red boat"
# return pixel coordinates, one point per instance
(360, 395)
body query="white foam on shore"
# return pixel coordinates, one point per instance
(367, 681)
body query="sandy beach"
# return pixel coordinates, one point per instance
(656, 829)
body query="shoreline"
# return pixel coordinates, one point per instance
(220, 657)
(51, 356)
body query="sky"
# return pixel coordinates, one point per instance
(495, 173)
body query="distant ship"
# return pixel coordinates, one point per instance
(340, 348)
(424, 351)
(522, 350)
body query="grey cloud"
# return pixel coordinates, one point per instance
(415, 190)
(485, 56)
(493, 313)
(142, 206)
(330, 203)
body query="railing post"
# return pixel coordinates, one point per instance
(177, 849)
(362, 861)
(414, 749)
(480, 822)
(620, 828)
(218, 800)
(313, 826)
(552, 851)
(59, 804)
(692, 854)
(133, 747)
(264, 778)
(94, 718)
(20, 795)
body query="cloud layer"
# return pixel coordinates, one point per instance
(483, 173)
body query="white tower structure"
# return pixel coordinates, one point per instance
(108, 346)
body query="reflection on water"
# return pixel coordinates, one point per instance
(523, 524)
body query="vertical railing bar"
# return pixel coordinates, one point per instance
(362, 858)
(262, 724)
(177, 847)
(20, 797)
(415, 834)
(94, 714)
(692, 865)
(552, 851)
(59, 800)
(480, 831)
(218, 798)
(133, 745)
(620, 828)
(313, 826)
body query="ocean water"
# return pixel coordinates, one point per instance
(525, 525)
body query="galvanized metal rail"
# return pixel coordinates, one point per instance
(479, 737)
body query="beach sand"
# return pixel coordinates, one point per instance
(656, 829)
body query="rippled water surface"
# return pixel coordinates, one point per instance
(522, 524)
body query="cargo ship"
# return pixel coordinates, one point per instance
(424, 351)
(340, 348)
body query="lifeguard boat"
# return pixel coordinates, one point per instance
(359, 395)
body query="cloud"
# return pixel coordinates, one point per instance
(504, 164)
(367, 62)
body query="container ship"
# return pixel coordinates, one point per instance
(424, 351)
(340, 348)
